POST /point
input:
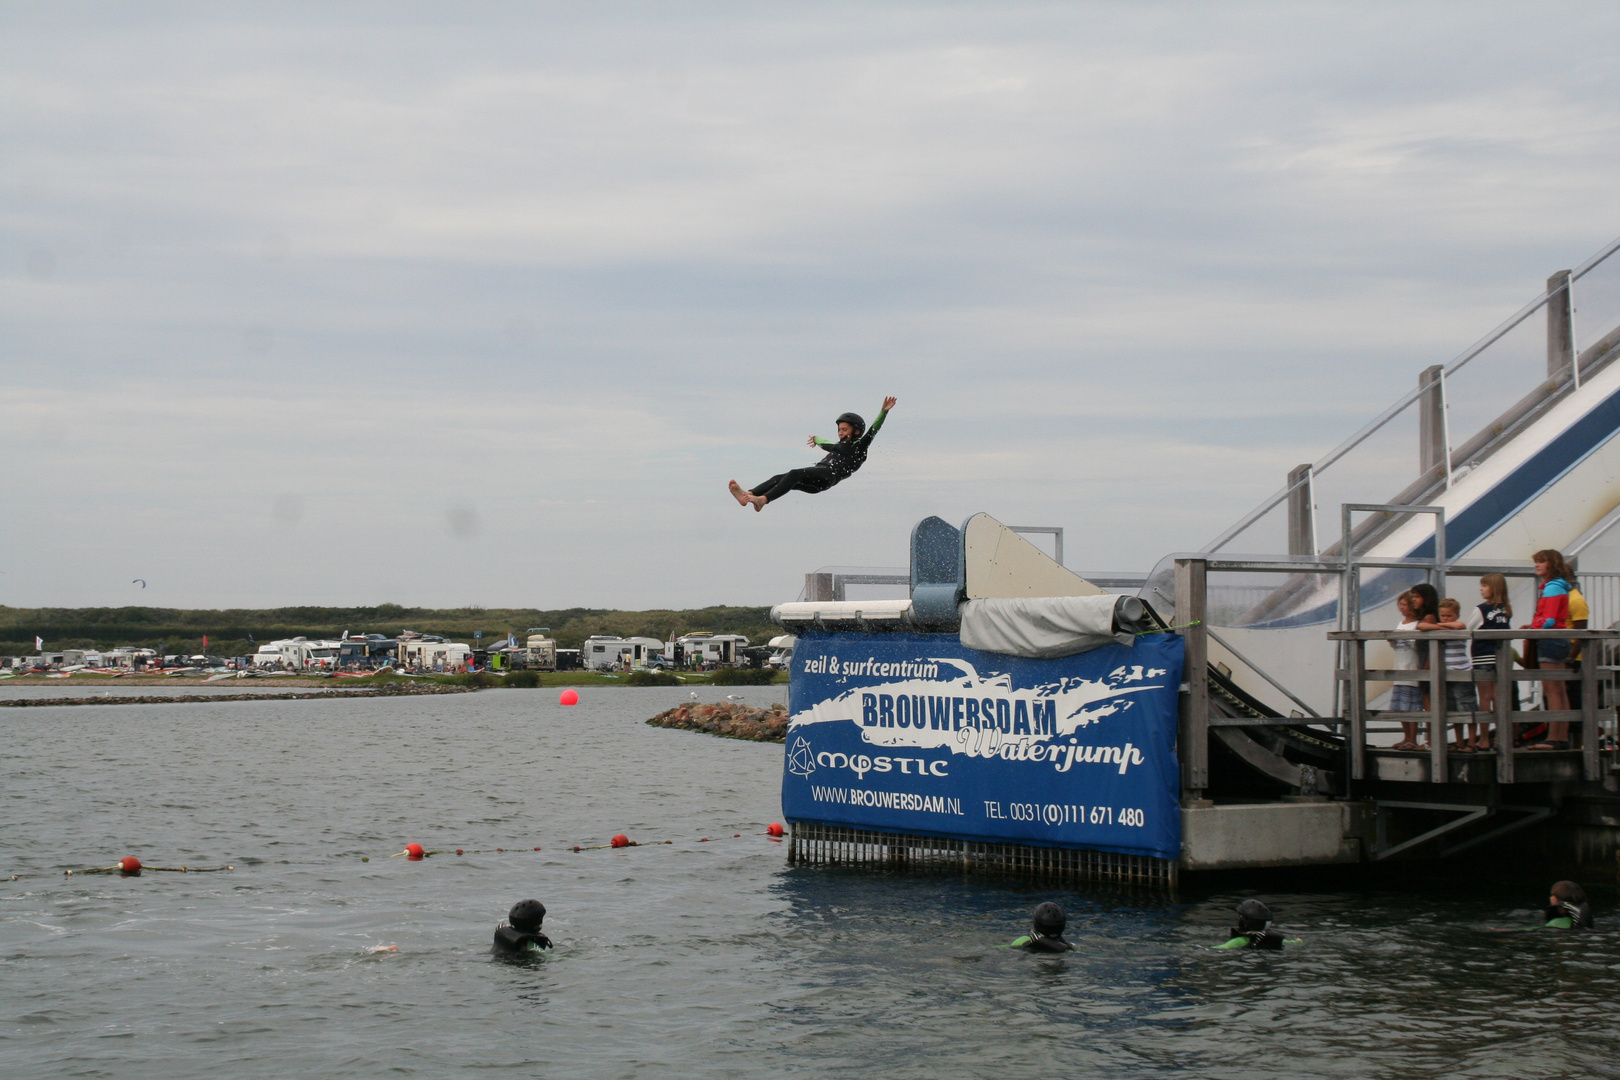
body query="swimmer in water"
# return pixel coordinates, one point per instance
(520, 935)
(1567, 908)
(844, 456)
(1046, 933)
(1253, 929)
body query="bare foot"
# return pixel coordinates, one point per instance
(738, 493)
(758, 501)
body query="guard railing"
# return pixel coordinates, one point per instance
(1593, 645)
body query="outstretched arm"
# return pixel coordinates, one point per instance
(888, 403)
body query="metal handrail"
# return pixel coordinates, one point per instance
(1406, 400)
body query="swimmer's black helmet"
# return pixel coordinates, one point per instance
(1050, 920)
(853, 420)
(1253, 915)
(526, 916)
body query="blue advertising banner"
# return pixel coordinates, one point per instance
(916, 733)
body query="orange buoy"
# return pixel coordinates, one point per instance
(129, 864)
(568, 697)
(413, 851)
(773, 829)
(621, 840)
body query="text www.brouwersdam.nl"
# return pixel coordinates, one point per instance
(888, 800)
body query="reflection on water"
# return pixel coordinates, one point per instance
(700, 959)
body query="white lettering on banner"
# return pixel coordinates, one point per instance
(887, 800)
(860, 764)
(976, 716)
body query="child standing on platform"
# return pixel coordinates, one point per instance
(1455, 655)
(1494, 613)
(1405, 696)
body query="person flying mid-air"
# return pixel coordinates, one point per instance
(843, 458)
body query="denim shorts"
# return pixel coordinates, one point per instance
(1406, 699)
(1460, 697)
(1553, 650)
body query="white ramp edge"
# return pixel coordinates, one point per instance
(1000, 564)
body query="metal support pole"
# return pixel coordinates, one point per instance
(1504, 709)
(1191, 611)
(1589, 709)
(1301, 515)
(1431, 423)
(1358, 709)
(1445, 428)
(1560, 332)
(1437, 713)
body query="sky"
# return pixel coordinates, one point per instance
(483, 304)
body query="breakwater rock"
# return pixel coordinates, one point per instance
(729, 720)
(385, 690)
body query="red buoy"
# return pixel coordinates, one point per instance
(576, 847)
(537, 849)
(568, 697)
(129, 864)
(773, 829)
(414, 851)
(458, 851)
(620, 840)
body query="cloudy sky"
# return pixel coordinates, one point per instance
(484, 303)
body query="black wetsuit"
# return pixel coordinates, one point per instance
(510, 942)
(1567, 916)
(841, 462)
(1253, 939)
(1043, 943)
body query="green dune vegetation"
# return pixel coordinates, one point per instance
(234, 632)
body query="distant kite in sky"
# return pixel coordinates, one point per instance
(139, 581)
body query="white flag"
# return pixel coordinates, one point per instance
(39, 643)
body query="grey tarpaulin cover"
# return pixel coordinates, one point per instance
(1041, 626)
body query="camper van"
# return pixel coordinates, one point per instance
(423, 654)
(286, 654)
(542, 652)
(298, 654)
(603, 652)
(781, 657)
(707, 648)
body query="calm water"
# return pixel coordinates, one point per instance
(694, 959)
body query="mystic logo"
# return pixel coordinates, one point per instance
(801, 761)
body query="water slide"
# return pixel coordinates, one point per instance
(1513, 442)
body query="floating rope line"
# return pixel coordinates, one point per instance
(130, 866)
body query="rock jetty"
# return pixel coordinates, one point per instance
(730, 720)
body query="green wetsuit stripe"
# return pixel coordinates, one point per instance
(873, 430)
(1563, 922)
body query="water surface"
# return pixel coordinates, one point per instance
(692, 959)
